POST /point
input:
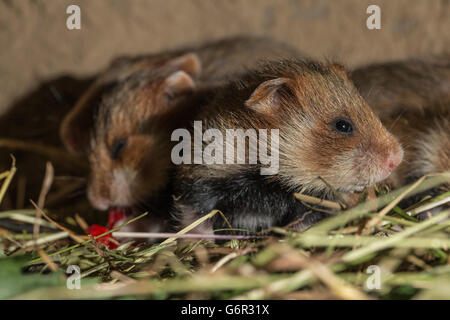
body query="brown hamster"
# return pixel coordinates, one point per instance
(390, 88)
(129, 145)
(130, 141)
(425, 135)
(412, 98)
(325, 129)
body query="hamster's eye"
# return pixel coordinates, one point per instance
(117, 148)
(343, 126)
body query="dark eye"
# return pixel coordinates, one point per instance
(343, 126)
(117, 148)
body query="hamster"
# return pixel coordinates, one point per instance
(123, 123)
(412, 98)
(325, 129)
(425, 136)
(390, 88)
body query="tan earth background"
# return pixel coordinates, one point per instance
(36, 46)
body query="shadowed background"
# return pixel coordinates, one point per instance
(36, 45)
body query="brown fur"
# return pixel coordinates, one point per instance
(412, 98)
(390, 88)
(425, 136)
(140, 109)
(302, 100)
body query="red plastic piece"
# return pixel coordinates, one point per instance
(115, 216)
(96, 230)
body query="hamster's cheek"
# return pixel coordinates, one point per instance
(147, 158)
(351, 171)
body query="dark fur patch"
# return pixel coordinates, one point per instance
(247, 199)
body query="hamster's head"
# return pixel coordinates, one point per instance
(326, 129)
(129, 151)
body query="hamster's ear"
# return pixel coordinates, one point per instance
(77, 124)
(74, 132)
(189, 63)
(267, 97)
(177, 83)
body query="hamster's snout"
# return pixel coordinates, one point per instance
(98, 202)
(106, 191)
(394, 159)
(391, 161)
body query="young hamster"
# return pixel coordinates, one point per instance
(412, 98)
(425, 135)
(124, 121)
(390, 88)
(325, 129)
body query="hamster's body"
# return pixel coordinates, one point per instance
(218, 61)
(308, 103)
(392, 87)
(124, 121)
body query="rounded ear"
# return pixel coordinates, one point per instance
(77, 124)
(189, 63)
(266, 97)
(177, 83)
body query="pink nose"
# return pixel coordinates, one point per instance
(393, 160)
